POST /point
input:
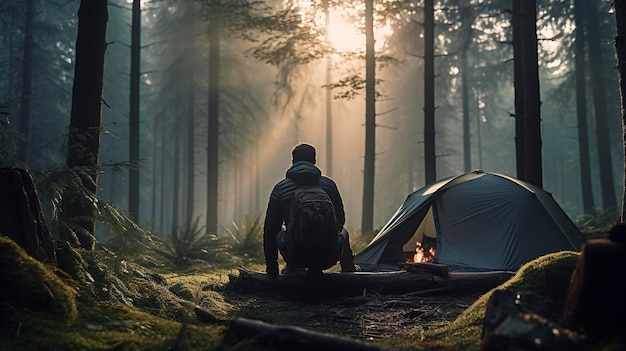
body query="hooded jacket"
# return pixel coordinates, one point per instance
(301, 173)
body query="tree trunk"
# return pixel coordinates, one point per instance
(83, 143)
(163, 180)
(135, 64)
(156, 178)
(479, 134)
(367, 219)
(467, 145)
(430, 157)
(581, 110)
(176, 169)
(213, 129)
(27, 81)
(518, 82)
(410, 162)
(532, 102)
(609, 199)
(191, 147)
(620, 50)
(329, 100)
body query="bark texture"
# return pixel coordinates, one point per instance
(83, 144)
(22, 218)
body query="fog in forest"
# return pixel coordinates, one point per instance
(266, 109)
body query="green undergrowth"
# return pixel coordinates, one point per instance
(27, 284)
(123, 307)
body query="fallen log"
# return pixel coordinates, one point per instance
(430, 267)
(335, 284)
(278, 337)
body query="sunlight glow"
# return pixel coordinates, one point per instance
(344, 36)
(346, 24)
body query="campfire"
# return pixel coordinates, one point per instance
(422, 260)
(421, 255)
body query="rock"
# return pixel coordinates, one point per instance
(522, 321)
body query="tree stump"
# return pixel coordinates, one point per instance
(596, 296)
(21, 215)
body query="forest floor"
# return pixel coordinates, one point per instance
(371, 317)
(139, 302)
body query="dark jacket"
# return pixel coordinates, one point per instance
(301, 173)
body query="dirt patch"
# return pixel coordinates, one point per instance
(361, 317)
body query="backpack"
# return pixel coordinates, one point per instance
(312, 228)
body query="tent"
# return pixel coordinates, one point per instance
(477, 222)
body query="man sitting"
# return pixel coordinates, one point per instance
(303, 179)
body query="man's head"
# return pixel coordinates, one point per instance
(303, 152)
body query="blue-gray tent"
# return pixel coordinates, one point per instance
(480, 221)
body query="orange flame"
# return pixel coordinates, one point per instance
(420, 256)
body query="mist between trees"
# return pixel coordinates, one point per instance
(220, 91)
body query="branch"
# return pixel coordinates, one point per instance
(280, 337)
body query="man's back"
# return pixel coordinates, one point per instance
(302, 174)
(299, 175)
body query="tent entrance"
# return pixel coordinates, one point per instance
(424, 238)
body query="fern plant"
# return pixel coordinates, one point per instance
(56, 182)
(247, 238)
(184, 243)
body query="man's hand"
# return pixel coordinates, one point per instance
(272, 269)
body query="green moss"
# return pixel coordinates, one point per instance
(113, 327)
(29, 285)
(132, 309)
(548, 276)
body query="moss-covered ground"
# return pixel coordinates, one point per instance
(141, 302)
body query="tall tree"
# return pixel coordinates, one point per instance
(83, 143)
(607, 185)
(135, 66)
(27, 80)
(430, 157)
(191, 145)
(581, 109)
(532, 102)
(620, 50)
(465, 86)
(518, 83)
(176, 187)
(367, 219)
(213, 127)
(329, 101)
